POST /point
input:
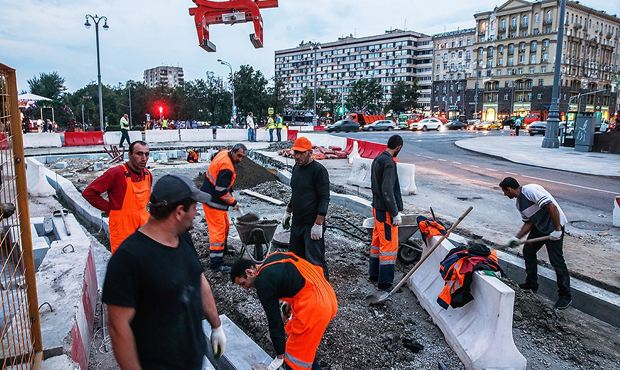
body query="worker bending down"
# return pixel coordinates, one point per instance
(307, 294)
(218, 182)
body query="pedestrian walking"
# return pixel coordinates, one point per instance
(214, 132)
(517, 125)
(271, 125)
(279, 126)
(128, 188)
(219, 180)
(542, 216)
(305, 212)
(155, 288)
(124, 123)
(249, 121)
(310, 304)
(387, 205)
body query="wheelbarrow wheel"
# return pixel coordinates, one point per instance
(407, 255)
(258, 252)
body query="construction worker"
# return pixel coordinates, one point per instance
(218, 182)
(308, 206)
(542, 216)
(279, 122)
(192, 156)
(124, 123)
(156, 290)
(128, 187)
(271, 125)
(387, 205)
(309, 305)
(164, 124)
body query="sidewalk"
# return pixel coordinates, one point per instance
(527, 150)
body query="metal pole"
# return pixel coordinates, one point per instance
(82, 113)
(129, 90)
(314, 87)
(551, 133)
(100, 90)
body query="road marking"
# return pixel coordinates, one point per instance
(573, 185)
(512, 173)
(443, 160)
(490, 169)
(456, 162)
(473, 165)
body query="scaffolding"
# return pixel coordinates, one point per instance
(20, 329)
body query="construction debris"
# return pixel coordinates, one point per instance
(319, 153)
(263, 197)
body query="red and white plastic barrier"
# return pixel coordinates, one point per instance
(616, 213)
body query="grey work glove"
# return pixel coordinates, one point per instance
(218, 341)
(556, 235)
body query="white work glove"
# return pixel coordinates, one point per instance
(316, 233)
(513, 242)
(286, 220)
(275, 364)
(237, 207)
(398, 219)
(556, 235)
(218, 341)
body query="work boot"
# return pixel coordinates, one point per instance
(562, 303)
(385, 287)
(528, 286)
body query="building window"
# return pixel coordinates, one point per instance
(533, 58)
(533, 46)
(539, 96)
(532, 69)
(545, 57)
(505, 97)
(541, 82)
(536, 18)
(543, 69)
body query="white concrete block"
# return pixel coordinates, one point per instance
(114, 137)
(232, 134)
(354, 153)
(162, 136)
(37, 183)
(361, 173)
(42, 140)
(196, 135)
(61, 165)
(406, 178)
(163, 158)
(480, 332)
(616, 214)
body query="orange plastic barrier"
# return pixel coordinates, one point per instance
(349, 148)
(83, 138)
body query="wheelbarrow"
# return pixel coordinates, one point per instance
(408, 250)
(255, 234)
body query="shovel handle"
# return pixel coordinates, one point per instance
(535, 240)
(430, 251)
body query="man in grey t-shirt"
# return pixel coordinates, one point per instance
(542, 216)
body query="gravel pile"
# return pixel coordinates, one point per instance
(274, 147)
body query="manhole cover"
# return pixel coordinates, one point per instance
(585, 225)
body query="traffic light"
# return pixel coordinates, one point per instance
(340, 111)
(161, 110)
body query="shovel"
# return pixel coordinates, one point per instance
(527, 241)
(381, 297)
(62, 213)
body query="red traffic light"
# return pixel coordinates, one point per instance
(161, 109)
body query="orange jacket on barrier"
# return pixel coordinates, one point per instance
(312, 308)
(430, 228)
(133, 214)
(219, 180)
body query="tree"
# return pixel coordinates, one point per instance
(277, 95)
(250, 91)
(326, 101)
(49, 85)
(365, 95)
(404, 97)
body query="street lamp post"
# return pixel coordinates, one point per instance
(129, 92)
(96, 19)
(232, 87)
(553, 122)
(314, 46)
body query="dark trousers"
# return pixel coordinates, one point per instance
(279, 134)
(517, 130)
(556, 257)
(124, 136)
(271, 135)
(303, 246)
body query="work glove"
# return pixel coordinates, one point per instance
(513, 242)
(316, 233)
(275, 364)
(556, 235)
(218, 341)
(398, 219)
(237, 207)
(286, 220)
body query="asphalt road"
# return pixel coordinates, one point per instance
(437, 151)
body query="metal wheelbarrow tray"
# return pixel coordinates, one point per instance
(408, 252)
(256, 232)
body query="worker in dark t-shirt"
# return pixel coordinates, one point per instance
(305, 213)
(155, 288)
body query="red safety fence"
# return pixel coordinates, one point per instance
(291, 135)
(369, 149)
(319, 128)
(83, 138)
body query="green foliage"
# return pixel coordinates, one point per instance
(326, 101)
(365, 95)
(404, 97)
(49, 85)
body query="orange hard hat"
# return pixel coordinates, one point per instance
(302, 144)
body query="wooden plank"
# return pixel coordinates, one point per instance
(263, 197)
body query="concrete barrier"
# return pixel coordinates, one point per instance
(114, 137)
(37, 183)
(325, 140)
(480, 332)
(361, 172)
(234, 134)
(203, 134)
(42, 140)
(354, 153)
(616, 214)
(162, 136)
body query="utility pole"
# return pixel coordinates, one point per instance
(129, 92)
(553, 122)
(96, 19)
(233, 112)
(314, 46)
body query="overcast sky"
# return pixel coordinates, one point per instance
(49, 35)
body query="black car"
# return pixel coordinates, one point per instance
(538, 127)
(456, 125)
(343, 126)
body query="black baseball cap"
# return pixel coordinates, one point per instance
(175, 188)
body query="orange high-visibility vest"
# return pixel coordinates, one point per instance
(220, 162)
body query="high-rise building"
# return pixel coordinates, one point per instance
(514, 60)
(391, 57)
(452, 66)
(164, 75)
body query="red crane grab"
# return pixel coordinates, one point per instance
(209, 12)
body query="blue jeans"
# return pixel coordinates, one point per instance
(279, 133)
(251, 134)
(270, 135)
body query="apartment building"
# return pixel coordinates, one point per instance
(391, 57)
(453, 64)
(514, 55)
(164, 75)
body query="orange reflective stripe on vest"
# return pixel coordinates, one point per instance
(133, 214)
(312, 308)
(220, 162)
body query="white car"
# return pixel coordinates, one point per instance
(426, 124)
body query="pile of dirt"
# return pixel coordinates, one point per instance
(249, 175)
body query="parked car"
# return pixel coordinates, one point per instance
(531, 118)
(343, 126)
(456, 125)
(426, 124)
(537, 127)
(381, 125)
(488, 126)
(406, 119)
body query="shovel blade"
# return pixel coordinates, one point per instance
(377, 298)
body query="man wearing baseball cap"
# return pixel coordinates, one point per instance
(305, 213)
(155, 289)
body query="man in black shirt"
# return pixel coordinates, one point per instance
(308, 206)
(387, 204)
(155, 289)
(310, 305)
